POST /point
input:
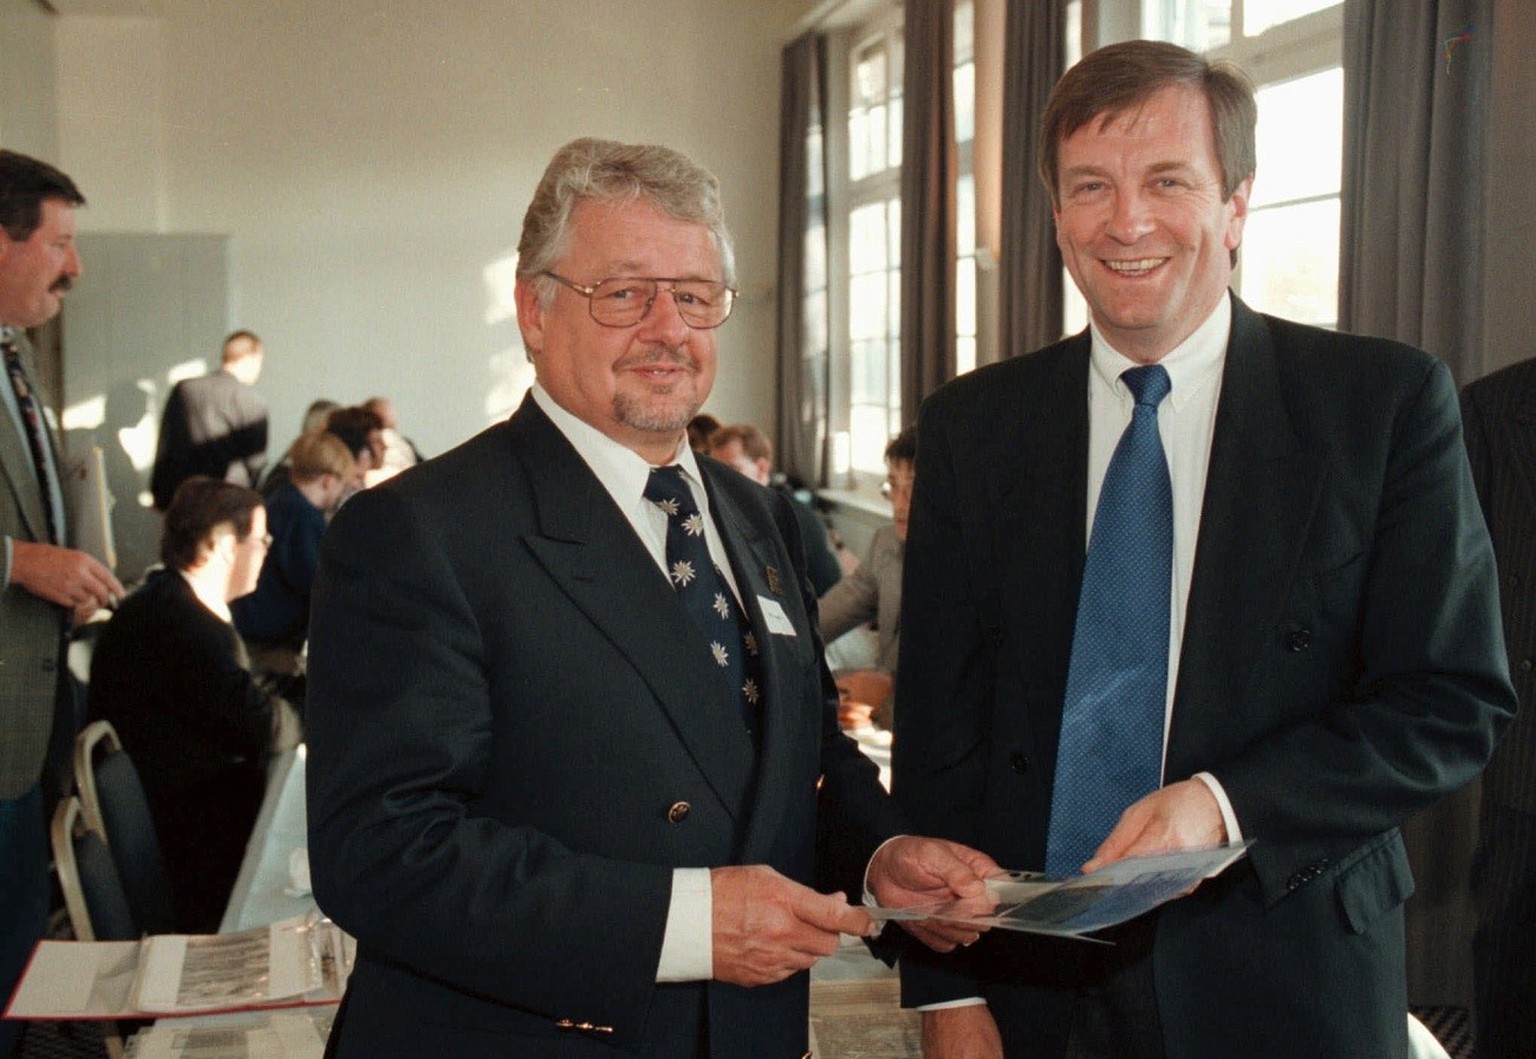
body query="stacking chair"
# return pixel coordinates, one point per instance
(93, 893)
(112, 800)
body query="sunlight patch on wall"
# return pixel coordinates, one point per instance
(87, 414)
(187, 369)
(511, 375)
(500, 289)
(139, 439)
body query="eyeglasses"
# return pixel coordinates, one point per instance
(891, 486)
(625, 301)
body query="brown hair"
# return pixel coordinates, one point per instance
(754, 445)
(1121, 77)
(320, 453)
(200, 506)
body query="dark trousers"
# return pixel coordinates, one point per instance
(1504, 943)
(23, 895)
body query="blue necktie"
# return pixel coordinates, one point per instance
(1110, 752)
(705, 594)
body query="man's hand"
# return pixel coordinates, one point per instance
(968, 1032)
(64, 576)
(1183, 815)
(768, 927)
(858, 694)
(911, 870)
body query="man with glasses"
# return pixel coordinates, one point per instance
(173, 677)
(570, 729)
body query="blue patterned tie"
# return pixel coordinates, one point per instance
(705, 594)
(1110, 752)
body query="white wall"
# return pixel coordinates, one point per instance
(27, 122)
(371, 160)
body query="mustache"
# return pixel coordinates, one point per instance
(676, 358)
(62, 284)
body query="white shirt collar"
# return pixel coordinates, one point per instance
(1193, 364)
(621, 470)
(208, 598)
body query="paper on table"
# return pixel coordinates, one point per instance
(1080, 904)
(71, 979)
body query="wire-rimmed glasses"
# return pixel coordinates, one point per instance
(625, 300)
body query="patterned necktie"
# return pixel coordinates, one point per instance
(705, 594)
(37, 438)
(1110, 752)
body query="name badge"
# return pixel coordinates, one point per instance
(778, 622)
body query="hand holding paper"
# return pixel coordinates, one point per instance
(1180, 816)
(914, 871)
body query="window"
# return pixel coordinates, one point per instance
(966, 275)
(869, 269)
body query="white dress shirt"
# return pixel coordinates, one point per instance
(687, 947)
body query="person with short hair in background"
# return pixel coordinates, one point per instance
(172, 676)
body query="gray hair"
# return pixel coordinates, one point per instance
(617, 173)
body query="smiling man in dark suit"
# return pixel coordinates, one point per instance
(565, 811)
(1286, 614)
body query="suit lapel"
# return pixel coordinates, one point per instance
(1260, 493)
(590, 550)
(16, 455)
(1041, 529)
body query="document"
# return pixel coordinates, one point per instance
(1078, 905)
(304, 960)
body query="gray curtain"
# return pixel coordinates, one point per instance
(1410, 267)
(1411, 243)
(802, 337)
(1029, 263)
(928, 169)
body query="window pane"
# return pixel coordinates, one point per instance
(965, 214)
(869, 81)
(868, 427)
(1300, 138)
(813, 165)
(1259, 15)
(814, 267)
(893, 314)
(1290, 261)
(867, 380)
(1197, 24)
(965, 354)
(893, 141)
(893, 228)
(965, 296)
(813, 324)
(876, 130)
(858, 144)
(866, 239)
(965, 103)
(867, 307)
(965, 30)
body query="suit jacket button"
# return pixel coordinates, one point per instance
(1526, 665)
(679, 812)
(1298, 639)
(1018, 762)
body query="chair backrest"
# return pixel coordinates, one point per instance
(93, 894)
(112, 799)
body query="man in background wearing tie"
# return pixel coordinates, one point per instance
(569, 725)
(1195, 576)
(44, 584)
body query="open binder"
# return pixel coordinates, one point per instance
(292, 963)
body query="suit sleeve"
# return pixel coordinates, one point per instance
(1425, 692)
(170, 450)
(401, 739)
(849, 603)
(943, 698)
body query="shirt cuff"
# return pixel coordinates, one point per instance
(869, 898)
(687, 947)
(1228, 817)
(963, 1002)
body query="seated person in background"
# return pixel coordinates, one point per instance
(700, 427)
(872, 593)
(400, 451)
(743, 446)
(363, 433)
(315, 417)
(171, 676)
(274, 619)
